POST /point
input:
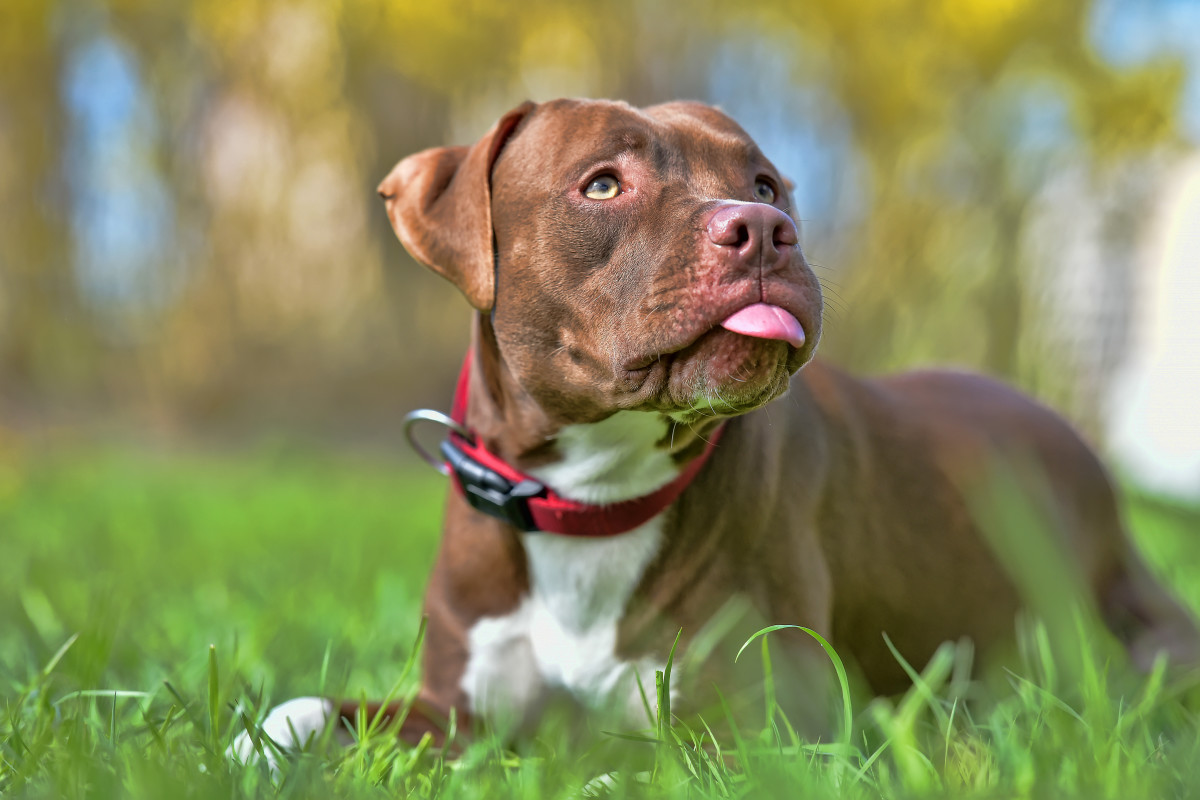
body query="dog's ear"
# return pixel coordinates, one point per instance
(440, 204)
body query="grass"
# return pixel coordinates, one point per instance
(150, 605)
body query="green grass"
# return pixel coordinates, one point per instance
(146, 601)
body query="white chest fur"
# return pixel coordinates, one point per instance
(563, 634)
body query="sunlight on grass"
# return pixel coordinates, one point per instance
(155, 608)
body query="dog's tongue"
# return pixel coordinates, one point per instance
(766, 322)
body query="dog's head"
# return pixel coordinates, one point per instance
(628, 259)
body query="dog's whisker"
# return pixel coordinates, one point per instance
(827, 280)
(830, 287)
(699, 435)
(835, 299)
(834, 310)
(832, 305)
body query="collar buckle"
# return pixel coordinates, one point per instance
(490, 492)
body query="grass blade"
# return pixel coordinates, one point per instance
(62, 651)
(838, 666)
(214, 697)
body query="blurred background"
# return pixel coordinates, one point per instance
(192, 251)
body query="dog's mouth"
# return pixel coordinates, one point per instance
(758, 320)
(733, 367)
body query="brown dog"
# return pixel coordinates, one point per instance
(640, 290)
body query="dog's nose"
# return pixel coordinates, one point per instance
(753, 233)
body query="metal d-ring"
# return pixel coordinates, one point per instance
(429, 415)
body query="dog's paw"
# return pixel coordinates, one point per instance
(289, 726)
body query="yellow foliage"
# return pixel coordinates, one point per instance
(269, 122)
(982, 17)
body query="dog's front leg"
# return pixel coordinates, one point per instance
(478, 657)
(477, 660)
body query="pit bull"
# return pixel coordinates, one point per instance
(641, 435)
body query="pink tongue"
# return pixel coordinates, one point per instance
(766, 322)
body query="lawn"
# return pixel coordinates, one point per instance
(150, 602)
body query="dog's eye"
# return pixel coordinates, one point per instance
(606, 187)
(763, 191)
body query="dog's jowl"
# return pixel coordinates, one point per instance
(623, 467)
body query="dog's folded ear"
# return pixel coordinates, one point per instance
(439, 202)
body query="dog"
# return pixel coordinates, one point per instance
(623, 464)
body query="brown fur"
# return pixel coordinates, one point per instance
(847, 506)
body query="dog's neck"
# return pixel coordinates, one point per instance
(619, 458)
(623, 456)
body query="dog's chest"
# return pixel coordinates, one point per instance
(563, 634)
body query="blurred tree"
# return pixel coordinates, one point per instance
(939, 129)
(41, 332)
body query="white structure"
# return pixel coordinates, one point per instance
(1154, 405)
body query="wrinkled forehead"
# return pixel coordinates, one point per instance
(564, 139)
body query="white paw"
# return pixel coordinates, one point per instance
(290, 726)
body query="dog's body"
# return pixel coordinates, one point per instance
(639, 283)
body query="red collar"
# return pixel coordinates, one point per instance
(494, 487)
